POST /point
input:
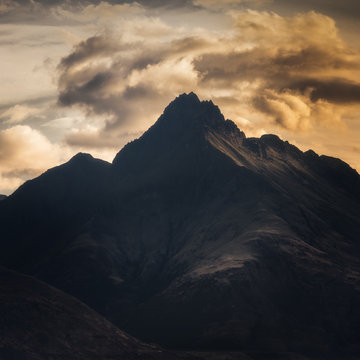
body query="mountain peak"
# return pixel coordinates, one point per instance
(186, 119)
(188, 112)
(190, 97)
(189, 106)
(81, 157)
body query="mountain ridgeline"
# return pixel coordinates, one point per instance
(198, 237)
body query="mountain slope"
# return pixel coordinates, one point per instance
(52, 206)
(199, 237)
(41, 322)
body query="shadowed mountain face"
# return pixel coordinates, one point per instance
(198, 237)
(40, 322)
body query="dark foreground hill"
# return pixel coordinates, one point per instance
(38, 322)
(197, 237)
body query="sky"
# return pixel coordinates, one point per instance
(91, 76)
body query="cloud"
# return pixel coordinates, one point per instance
(348, 8)
(24, 153)
(289, 111)
(300, 65)
(121, 62)
(294, 70)
(72, 12)
(221, 4)
(7, 6)
(335, 90)
(92, 139)
(123, 80)
(65, 13)
(151, 3)
(57, 11)
(18, 113)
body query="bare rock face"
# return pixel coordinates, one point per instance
(197, 237)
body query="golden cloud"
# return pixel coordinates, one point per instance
(24, 153)
(294, 70)
(291, 75)
(300, 65)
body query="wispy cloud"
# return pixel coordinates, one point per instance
(18, 113)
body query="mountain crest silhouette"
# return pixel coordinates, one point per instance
(183, 127)
(198, 237)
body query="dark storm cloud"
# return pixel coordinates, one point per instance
(78, 3)
(86, 93)
(91, 47)
(32, 10)
(315, 57)
(283, 70)
(350, 8)
(55, 13)
(84, 80)
(340, 91)
(84, 85)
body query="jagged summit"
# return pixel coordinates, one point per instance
(186, 120)
(187, 110)
(190, 97)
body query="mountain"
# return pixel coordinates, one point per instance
(198, 237)
(40, 322)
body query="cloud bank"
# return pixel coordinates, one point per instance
(114, 66)
(293, 71)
